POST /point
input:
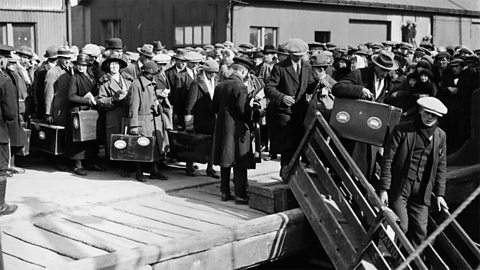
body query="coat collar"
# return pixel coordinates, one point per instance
(146, 82)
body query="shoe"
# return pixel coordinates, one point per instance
(267, 158)
(95, 168)
(158, 176)
(226, 196)
(16, 170)
(141, 178)
(212, 173)
(8, 209)
(80, 171)
(60, 167)
(190, 172)
(240, 200)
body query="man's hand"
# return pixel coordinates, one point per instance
(49, 119)
(366, 94)
(383, 197)
(442, 204)
(288, 100)
(134, 131)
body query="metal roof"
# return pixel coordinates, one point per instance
(41, 5)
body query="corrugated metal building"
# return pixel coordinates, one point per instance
(34, 23)
(179, 23)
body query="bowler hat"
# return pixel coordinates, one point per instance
(269, 49)
(150, 67)
(82, 59)
(113, 44)
(193, 57)
(24, 50)
(158, 46)
(432, 105)
(161, 58)
(385, 60)
(147, 50)
(297, 47)
(91, 50)
(113, 58)
(64, 52)
(211, 66)
(320, 60)
(51, 52)
(6, 50)
(243, 61)
(180, 55)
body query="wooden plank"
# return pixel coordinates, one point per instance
(13, 263)
(31, 253)
(56, 243)
(165, 217)
(85, 232)
(282, 228)
(160, 229)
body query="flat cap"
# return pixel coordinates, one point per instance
(320, 60)
(457, 61)
(211, 66)
(150, 67)
(246, 46)
(161, 58)
(297, 47)
(208, 47)
(219, 46)
(91, 49)
(6, 50)
(244, 61)
(441, 55)
(432, 105)
(405, 45)
(193, 57)
(376, 45)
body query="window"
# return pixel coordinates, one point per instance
(261, 36)
(18, 34)
(322, 36)
(194, 35)
(111, 29)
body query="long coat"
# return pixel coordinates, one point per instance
(39, 90)
(8, 106)
(199, 105)
(286, 122)
(115, 111)
(182, 84)
(133, 69)
(15, 129)
(56, 94)
(232, 143)
(141, 100)
(351, 86)
(398, 156)
(162, 83)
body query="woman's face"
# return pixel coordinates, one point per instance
(412, 82)
(82, 68)
(114, 67)
(424, 78)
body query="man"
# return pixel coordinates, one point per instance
(7, 113)
(51, 55)
(25, 81)
(179, 65)
(94, 54)
(232, 141)
(183, 81)
(370, 83)
(415, 165)
(287, 88)
(157, 47)
(199, 116)
(146, 54)
(114, 47)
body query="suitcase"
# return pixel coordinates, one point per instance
(25, 151)
(188, 146)
(132, 148)
(364, 121)
(84, 125)
(271, 197)
(47, 138)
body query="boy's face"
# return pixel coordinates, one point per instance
(424, 78)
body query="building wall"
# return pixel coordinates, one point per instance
(32, 4)
(302, 22)
(50, 25)
(456, 30)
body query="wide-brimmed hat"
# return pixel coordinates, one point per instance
(180, 55)
(385, 60)
(147, 50)
(91, 50)
(82, 59)
(162, 58)
(320, 60)
(157, 46)
(243, 61)
(114, 44)
(51, 52)
(64, 52)
(150, 67)
(193, 57)
(297, 47)
(211, 66)
(432, 105)
(106, 63)
(269, 49)
(24, 50)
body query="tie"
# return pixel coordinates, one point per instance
(299, 71)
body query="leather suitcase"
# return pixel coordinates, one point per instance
(364, 121)
(25, 151)
(188, 146)
(132, 148)
(47, 138)
(84, 125)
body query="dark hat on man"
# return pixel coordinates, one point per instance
(179, 55)
(211, 66)
(320, 60)
(51, 52)
(82, 59)
(146, 50)
(297, 47)
(26, 51)
(150, 67)
(316, 45)
(64, 52)
(457, 62)
(441, 55)
(385, 60)
(246, 46)
(157, 46)
(281, 49)
(472, 58)
(6, 50)
(114, 44)
(113, 58)
(405, 45)
(269, 49)
(243, 61)
(258, 54)
(432, 105)
(388, 43)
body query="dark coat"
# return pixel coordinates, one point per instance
(287, 122)
(182, 84)
(8, 106)
(199, 105)
(162, 83)
(57, 82)
(232, 144)
(398, 156)
(39, 90)
(14, 126)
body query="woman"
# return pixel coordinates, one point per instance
(81, 93)
(112, 98)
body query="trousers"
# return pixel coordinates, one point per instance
(240, 181)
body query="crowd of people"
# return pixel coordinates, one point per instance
(236, 94)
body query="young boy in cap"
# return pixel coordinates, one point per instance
(415, 166)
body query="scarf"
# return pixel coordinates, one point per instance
(426, 132)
